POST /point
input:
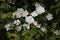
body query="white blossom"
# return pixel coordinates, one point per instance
(35, 23)
(43, 29)
(29, 19)
(18, 28)
(20, 13)
(39, 8)
(49, 16)
(34, 14)
(20, 10)
(57, 32)
(37, 4)
(25, 13)
(24, 25)
(17, 22)
(27, 26)
(7, 26)
(38, 26)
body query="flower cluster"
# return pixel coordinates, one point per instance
(28, 17)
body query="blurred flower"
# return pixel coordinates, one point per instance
(39, 8)
(38, 26)
(37, 4)
(7, 26)
(20, 13)
(34, 14)
(35, 23)
(25, 13)
(29, 19)
(43, 29)
(18, 28)
(17, 22)
(57, 32)
(49, 16)
(26, 25)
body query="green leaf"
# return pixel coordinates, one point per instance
(6, 15)
(3, 5)
(16, 37)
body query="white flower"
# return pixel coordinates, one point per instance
(35, 23)
(18, 28)
(17, 22)
(57, 32)
(49, 16)
(20, 13)
(26, 25)
(43, 29)
(39, 8)
(25, 13)
(20, 10)
(37, 4)
(34, 14)
(29, 19)
(38, 26)
(7, 26)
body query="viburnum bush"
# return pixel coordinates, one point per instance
(29, 20)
